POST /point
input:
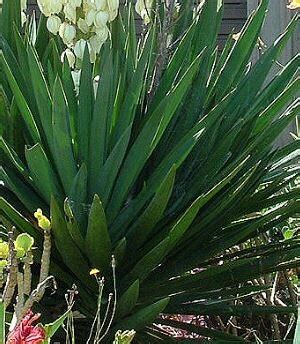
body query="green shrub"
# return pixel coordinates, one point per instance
(168, 180)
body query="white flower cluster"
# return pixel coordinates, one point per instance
(143, 8)
(80, 22)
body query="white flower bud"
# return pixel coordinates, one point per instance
(70, 12)
(70, 57)
(82, 25)
(101, 18)
(67, 32)
(79, 48)
(53, 24)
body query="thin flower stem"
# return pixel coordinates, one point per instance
(20, 298)
(115, 298)
(27, 278)
(97, 335)
(101, 286)
(110, 297)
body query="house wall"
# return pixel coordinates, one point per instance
(277, 19)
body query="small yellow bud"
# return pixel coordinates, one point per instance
(43, 221)
(94, 272)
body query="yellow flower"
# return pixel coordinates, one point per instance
(94, 272)
(43, 221)
(294, 4)
(4, 249)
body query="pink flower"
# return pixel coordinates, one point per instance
(26, 332)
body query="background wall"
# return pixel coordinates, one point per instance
(277, 19)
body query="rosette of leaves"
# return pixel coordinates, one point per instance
(168, 179)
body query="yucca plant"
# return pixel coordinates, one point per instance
(169, 167)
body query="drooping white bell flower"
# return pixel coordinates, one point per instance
(70, 12)
(67, 32)
(49, 7)
(101, 18)
(53, 24)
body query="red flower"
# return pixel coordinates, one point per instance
(26, 333)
